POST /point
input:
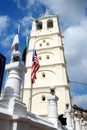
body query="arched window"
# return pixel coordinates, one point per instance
(40, 44)
(47, 43)
(49, 23)
(40, 58)
(44, 40)
(43, 98)
(43, 75)
(39, 25)
(47, 57)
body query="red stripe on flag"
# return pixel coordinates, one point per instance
(35, 67)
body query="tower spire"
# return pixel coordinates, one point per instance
(15, 56)
(11, 96)
(15, 40)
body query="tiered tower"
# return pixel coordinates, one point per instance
(47, 39)
(10, 102)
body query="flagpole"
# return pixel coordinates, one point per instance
(31, 82)
(31, 90)
(31, 97)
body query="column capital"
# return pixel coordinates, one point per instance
(76, 119)
(53, 97)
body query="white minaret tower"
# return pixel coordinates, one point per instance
(11, 102)
(47, 39)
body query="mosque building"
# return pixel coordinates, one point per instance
(46, 102)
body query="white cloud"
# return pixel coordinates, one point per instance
(25, 24)
(6, 42)
(25, 21)
(80, 100)
(19, 4)
(24, 4)
(31, 2)
(4, 22)
(26, 32)
(75, 42)
(70, 11)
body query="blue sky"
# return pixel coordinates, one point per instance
(73, 24)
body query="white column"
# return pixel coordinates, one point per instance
(13, 82)
(86, 126)
(77, 123)
(52, 110)
(83, 125)
(14, 125)
(13, 85)
(68, 117)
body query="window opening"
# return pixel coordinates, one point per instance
(47, 43)
(40, 58)
(48, 57)
(49, 23)
(40, 45)
(43, 98)
(44, 40)
(39, 25)
(43, 75)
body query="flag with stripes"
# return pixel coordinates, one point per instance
(35, 66)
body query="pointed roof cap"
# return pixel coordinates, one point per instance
(16, 38)
(46, 13)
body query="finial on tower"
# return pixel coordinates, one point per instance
(67, 105)
(52, 90)
(18, 28)
(46, 13)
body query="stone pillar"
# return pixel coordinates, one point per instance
(52, 107)
(77, 123)
(13, 81)
(83, 125)
(52, 110)
(68, 117)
